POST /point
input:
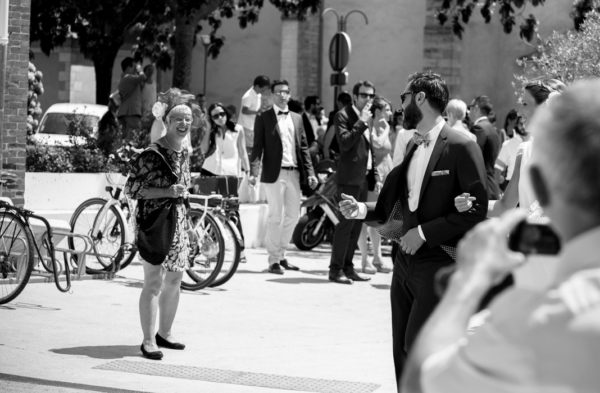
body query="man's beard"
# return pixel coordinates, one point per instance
(412, 116)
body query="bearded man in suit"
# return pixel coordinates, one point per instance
(417, 201)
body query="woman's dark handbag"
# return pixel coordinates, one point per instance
(371, 180)
(155, 234)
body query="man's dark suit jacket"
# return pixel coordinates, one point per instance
(353, 146)
(267, 144)
(489, 141)
(455, 166)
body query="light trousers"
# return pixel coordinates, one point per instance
(283, 199)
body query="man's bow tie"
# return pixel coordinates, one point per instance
(421, 139)
(282, 113)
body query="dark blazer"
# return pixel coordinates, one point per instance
(455, 166)
(267, 145)
(308, 129)
(490, 143)
(353, 146)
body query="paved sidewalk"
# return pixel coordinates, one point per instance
(258, 333)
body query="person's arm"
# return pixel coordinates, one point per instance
(257, 149)
(510, 198)
(246, 101)
(347, 135)
(471, 178)
(241, 141)
(329, 135)
(483, 260)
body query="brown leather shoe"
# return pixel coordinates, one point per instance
(339, 278)
(356, 277)
(288, 266)
(275, 269)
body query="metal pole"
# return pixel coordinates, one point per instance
(205, 63)
(4, 9)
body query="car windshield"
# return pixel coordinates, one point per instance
(69, 124)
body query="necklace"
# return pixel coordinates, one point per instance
(170, 146)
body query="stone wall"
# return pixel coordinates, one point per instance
(14, 108)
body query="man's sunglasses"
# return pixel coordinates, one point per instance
(366, 95)
(404, 95)
(219, 115)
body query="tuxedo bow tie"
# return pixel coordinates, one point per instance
(421, 139)
(282, 113)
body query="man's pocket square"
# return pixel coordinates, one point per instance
(440, 173)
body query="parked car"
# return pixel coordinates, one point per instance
(60, 120)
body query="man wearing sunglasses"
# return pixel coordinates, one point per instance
(418, 195)
(280, 144)
(352, 124)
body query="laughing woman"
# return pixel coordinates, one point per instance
(159, 180)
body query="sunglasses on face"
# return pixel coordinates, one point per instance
(219, 115)
(404, 95)
(282, 92)
(366, 95)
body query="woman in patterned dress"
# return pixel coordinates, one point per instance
(151, 183)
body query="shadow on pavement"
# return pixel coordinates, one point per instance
(101, 351)
(381, 286)
(300, 280)
(14, 306)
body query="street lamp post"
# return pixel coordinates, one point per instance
(205, 39)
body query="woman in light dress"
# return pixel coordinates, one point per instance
(381, 149)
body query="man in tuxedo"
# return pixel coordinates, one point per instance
(488, 140)
(440, 164)
(280, 141)
(352, 125)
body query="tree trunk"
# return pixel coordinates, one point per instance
(185, 28)
(103, 65)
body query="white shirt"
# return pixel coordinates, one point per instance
(545, 341)
(368, 136)
(418, 166)
(508, 155)
(252, 100)
(226, 158)
(480, 119)
(285, 126)
(402, 139)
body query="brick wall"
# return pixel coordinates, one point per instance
(441, 49)
(14, 112)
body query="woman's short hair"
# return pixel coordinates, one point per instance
(458, 109)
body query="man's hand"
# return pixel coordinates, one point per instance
(484, 250)
(312, 182)
(365, 114)
(252, 180)
(348, 206)
(411, 242)
(177, 190)
(378, 187)
(464, 202)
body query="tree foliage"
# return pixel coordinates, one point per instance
(510, 13)
(166, 29)
(35, 89)
(565, 56)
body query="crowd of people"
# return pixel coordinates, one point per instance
(426, 176)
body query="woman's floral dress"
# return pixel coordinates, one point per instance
(149, 171)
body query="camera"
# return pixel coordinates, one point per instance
(534, 238)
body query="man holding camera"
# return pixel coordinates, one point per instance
(534, 341)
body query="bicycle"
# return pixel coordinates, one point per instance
(17, 245)
(106, 221)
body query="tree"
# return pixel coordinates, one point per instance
(566, 56)
(510, 12)
(36, 89)
(101, 28)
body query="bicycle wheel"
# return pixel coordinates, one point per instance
(233, 250)
(108, 239)
(208, 251)
(16, 256)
